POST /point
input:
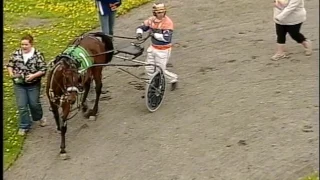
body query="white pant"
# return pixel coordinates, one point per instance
(160, 58)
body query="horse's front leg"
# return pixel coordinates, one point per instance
(63, 137)
(55, 112)
(65, 112)
(93, 112)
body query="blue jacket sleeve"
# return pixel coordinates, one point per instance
(111, 1)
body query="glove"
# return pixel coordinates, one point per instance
(156, 31)
(139, 36)
(151, 33)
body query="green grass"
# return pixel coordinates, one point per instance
(66, 20)
(313, 176)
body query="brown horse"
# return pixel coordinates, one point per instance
(65, 82)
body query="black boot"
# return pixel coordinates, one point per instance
(174, 86)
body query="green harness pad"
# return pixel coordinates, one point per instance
(81, 55)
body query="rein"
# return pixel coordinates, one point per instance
(58, 63)
(65, 90)
(120, 37)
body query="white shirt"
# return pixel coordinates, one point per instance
(28, 55)
(290, 12)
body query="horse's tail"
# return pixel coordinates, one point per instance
(108, 44)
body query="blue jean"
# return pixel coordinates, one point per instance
(107, 22)
(28, 97)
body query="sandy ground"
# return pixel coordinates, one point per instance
(236, 114)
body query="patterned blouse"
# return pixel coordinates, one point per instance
(34, 64)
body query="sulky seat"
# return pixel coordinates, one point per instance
(131, 50)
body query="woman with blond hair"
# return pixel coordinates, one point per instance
(289, 16)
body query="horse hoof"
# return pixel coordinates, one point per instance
(84, 108)
(92, 118)
(64, 156)
(87, 115)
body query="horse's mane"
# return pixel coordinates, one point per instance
(108, 44)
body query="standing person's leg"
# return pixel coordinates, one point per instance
(35, 104)
(162, 57)
(22, 103)
(112, 18)
(105, 28)
(169, 64)
(294, 32)
(281, 31)
(150, 60)
(104, 21)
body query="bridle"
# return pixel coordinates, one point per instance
(67, 89)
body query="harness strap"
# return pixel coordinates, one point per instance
(73, 88)
(51, 93)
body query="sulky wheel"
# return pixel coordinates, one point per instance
(155, 91)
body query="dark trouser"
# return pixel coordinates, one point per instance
(28, 97)
(293, 30)
(107, 22)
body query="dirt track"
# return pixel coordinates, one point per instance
(236, 115)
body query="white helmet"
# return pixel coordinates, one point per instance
(158, 8)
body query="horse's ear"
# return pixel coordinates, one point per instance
(57, 59)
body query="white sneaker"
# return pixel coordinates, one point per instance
(308, 49)
(22, 132)
(277, 56)
(43, 122)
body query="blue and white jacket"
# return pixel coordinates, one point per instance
(163, 31)
(104, 6)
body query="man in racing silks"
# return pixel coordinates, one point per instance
(161, 27)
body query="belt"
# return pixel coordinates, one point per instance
(162, 47)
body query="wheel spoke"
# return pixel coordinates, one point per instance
(155, 91)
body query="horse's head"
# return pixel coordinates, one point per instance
(70, 78)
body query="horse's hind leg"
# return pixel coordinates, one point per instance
(85, 94)
(97, 75)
